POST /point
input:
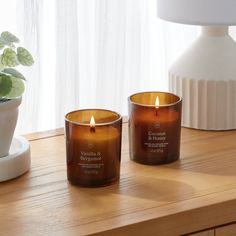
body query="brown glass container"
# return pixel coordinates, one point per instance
(154, 129)
(93, 150)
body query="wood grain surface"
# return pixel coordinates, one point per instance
(227, 230)
(195, 193)
(205, 233)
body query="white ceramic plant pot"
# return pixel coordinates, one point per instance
(8, 120)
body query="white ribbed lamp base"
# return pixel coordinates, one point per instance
(205, 77)
(207, 104)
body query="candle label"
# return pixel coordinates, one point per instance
(91, 162)
(156, 141)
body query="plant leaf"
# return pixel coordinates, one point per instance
(9, 58)
(9, 37)
(24, 57)
(5, 43)
(17, 88)
(5, 85)
(13, 72)
(1, 65)
(1, 45)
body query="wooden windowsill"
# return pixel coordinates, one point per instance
(195, 193)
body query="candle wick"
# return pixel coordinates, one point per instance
(92, 129)
(156, 111)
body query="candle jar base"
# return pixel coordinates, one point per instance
(154, 161)
(93, 183)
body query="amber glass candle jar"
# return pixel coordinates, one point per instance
(154, 127)
(93, 145)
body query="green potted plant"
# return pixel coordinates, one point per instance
(11, 86)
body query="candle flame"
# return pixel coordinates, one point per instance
(92, 122)
(157, 103)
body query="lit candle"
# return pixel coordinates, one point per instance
(93, 147)
(154, 127)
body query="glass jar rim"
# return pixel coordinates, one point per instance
(119, 117)
(179, 99)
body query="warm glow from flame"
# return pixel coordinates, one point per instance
(157, 103)
(92, 122)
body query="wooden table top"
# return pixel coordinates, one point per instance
(194, 193)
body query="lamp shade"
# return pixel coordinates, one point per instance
(198, 12)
